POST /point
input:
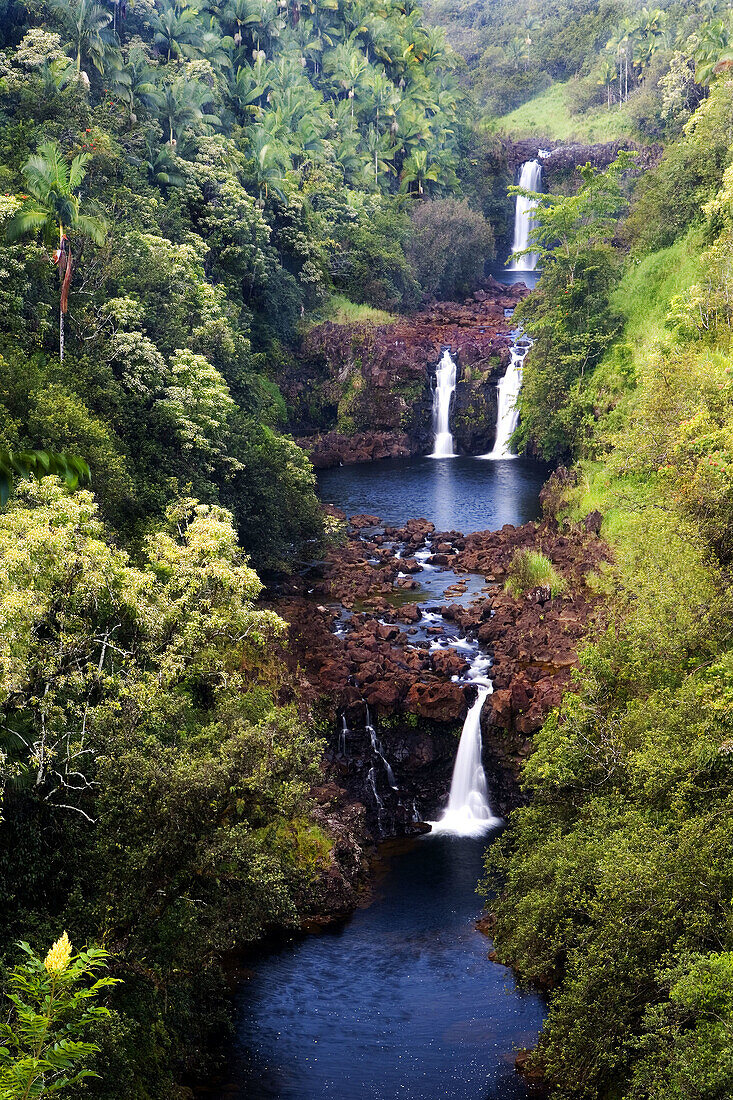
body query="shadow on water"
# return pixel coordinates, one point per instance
(463, 494)
(399, 1002)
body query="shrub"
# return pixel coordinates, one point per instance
(532, 569)
(450, 246)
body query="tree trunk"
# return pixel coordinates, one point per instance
(61, 334)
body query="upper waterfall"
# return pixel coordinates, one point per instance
(445, 384)
(530, 178)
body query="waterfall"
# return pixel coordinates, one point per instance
(530, 178)
(345, 731)
(445, 384)
(507, 409)
(468, 812)
(378, 751)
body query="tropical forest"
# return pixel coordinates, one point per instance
(366, 550)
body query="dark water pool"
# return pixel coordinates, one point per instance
(462, 494)
(399, 1003)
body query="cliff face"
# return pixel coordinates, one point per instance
(361, 392)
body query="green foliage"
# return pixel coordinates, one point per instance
(553, 116)
(570, 316)
(450, 247)
(25, 464)
(670, 197)
(532, 569)
(162, 791)
(618, 875)
(515, 50)
(52, 1008)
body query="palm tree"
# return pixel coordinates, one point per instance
(88, 26)
(270, 162)
(419, 169)
(348, 66)
(177, 33)
(183, 106)
(27, 464)
(606, 78)
(52, 209)
(134, 84)
(380, 154)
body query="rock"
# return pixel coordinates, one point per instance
(593, 522)
(523, 1066)
(359, 522)
(448, 663)
(443, 702)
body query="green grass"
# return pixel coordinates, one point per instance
(645, 292)
(532, 569)
(549, 116)
(343, 312)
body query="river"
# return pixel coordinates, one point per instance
(399, 1002)
(461, 494)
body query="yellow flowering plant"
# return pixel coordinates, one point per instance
(43, 1043)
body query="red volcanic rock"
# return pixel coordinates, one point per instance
(443, 702)
(385, 695)
(501, 708)
(387, 632)
(408, 613)
(409, 565)
(336, 449)
(448, 663)
(358, 522)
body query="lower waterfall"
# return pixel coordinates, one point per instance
(445, 384)
(468, 812)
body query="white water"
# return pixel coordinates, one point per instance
(445, 384)
(507, 410)
(468, 812)
(530, 178)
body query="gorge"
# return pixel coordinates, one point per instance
(433, 691)
(366, 550)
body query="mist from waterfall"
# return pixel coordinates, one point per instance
(445, 384)
(530, 178)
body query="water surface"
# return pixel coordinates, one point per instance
(401, 1002)
(456, 494)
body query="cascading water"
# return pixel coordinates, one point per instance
(468, 812)
(530, 178)
(378, 751)
(507, 410)
(445, 384)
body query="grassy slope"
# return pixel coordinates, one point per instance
(643, 298)
(549, 116)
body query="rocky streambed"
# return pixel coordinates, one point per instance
(385, 631)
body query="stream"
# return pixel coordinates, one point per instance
(401, 1000)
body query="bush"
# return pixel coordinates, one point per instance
(532, 569)
(450, 247)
